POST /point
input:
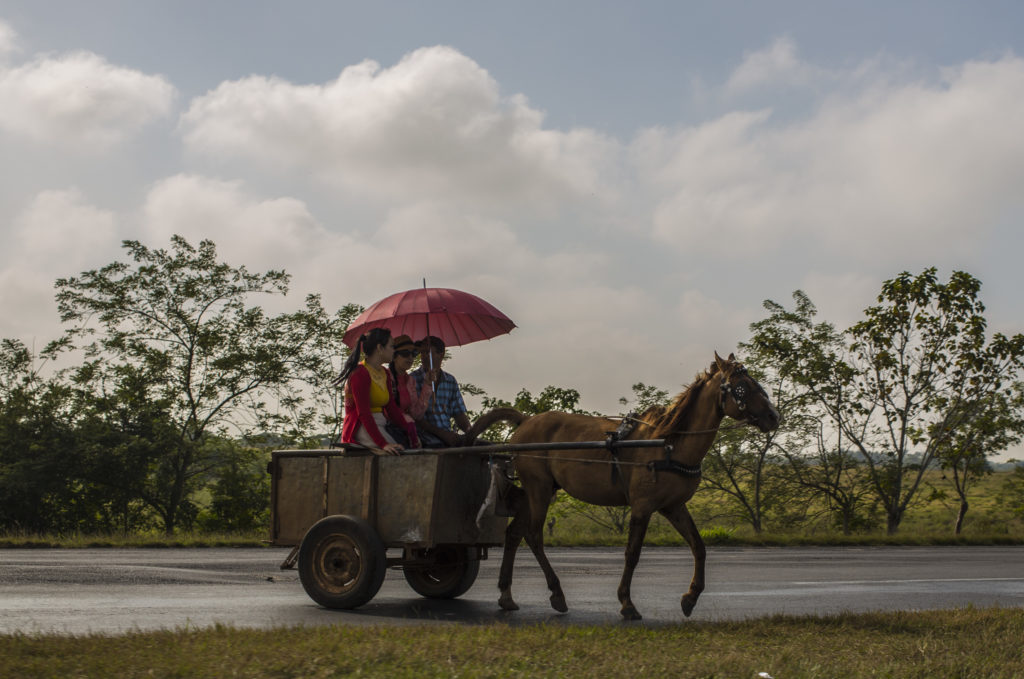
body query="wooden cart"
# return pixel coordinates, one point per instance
(342, 510)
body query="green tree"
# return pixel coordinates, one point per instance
(988, 428)
(240, 493)
(804, 359)
(644, 398)
(180, 321)
(35, 436)
(926, 370)
(918, 367)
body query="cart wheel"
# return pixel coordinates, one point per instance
(342, 562)
(451, 574)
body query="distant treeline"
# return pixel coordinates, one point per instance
(176, 384)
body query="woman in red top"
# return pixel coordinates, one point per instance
(412, 403)
(368, 402)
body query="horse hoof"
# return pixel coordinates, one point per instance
(558, 603)
(508, 604)
(688, 605)
(630, 613)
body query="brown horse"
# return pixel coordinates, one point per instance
(646, 479)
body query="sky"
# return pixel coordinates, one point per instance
(627, 181)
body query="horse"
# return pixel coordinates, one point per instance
(648, 480)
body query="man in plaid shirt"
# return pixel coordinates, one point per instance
(435, 428)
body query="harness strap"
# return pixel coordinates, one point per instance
(668, 465)
(611, 438)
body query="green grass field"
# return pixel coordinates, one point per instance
(962, 643)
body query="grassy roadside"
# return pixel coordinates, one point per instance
(576, 539)
(575, 536)
(951, 643)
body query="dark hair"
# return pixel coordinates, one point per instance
(431, 342)
(367, 344)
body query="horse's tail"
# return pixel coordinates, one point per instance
(510, 415)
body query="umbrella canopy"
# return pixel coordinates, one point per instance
(455, 316)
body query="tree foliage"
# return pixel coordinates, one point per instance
(175, 329)
(900, 383)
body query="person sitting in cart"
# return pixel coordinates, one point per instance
(411, 400)
(435, 427)
(368, 402)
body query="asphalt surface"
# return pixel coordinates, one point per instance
(113, 591)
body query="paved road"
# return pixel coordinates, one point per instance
(115, 590)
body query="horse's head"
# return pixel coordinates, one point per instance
(743, 399)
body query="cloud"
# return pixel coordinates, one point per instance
(80, 99)
(776, 67)
(884, 172)
(8, 41)
(58, 234)
(433, 125)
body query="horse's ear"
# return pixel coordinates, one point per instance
(720, 362)
(732, 357)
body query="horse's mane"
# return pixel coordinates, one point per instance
(667, 419)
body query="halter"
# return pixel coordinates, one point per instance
(738, 392)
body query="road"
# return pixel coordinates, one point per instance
(111, 591)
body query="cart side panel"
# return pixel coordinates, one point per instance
(462, 485)
(347, 479)
(404, 499)
(299, 497)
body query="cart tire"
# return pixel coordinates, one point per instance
(451, 574)
(342, 562)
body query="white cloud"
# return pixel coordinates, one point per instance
(58, 234)
(80, 99)
(775, 67)
(61, 226)
(433, 125)
(886, 172)
(8, 41)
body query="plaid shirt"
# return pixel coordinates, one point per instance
(446, 404)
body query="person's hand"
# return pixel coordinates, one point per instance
(392, 449)
(432, 376)
(451, 438)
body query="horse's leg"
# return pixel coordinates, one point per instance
(683, 522)
(514, 533)
(538, 499)
(637, 530)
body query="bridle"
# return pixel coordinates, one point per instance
(738, 393)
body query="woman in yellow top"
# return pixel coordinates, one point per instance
(368, 402)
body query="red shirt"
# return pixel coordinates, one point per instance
(357, 410)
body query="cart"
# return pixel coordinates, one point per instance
(342, 510)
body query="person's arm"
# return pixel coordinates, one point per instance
(421, 400)
(460, 415)
(359, 383)
(394, 412)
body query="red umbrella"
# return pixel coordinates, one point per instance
(455, 316)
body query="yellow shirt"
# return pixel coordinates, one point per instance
(379, 395)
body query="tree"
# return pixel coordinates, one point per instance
(644, 398)
(240, 495)
(179, 321)
(918, 367)
(35, 435)
(926, 371)
(989, 428)
(309, 408)
(805, 359)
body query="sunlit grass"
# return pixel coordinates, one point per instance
(951, 643)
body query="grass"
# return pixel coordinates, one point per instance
(928, 522)
(81, 541)
(952, 643)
